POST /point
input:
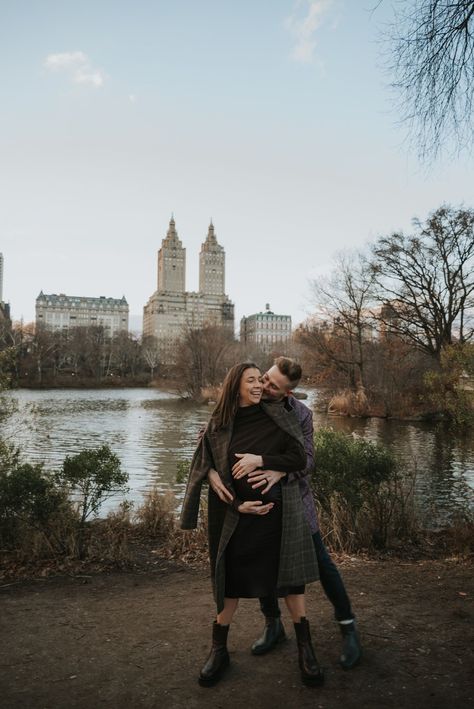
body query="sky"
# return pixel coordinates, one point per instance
(274, 119)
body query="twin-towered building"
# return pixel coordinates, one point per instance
(171, 309)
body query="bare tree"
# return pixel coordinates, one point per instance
(343, 317)
(427, 280)
(432, 60)
(42, 348)
(125, 353)
(151, 353)
(96, 355)
(204, 355)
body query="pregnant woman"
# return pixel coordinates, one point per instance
(257, 543)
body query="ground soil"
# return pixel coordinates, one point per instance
(137, 639)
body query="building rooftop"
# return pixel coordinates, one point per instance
(62, 298)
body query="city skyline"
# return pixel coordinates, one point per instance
(273, 119)
(136, 326)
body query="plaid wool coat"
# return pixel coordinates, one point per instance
(298, 564)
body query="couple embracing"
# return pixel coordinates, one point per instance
(264, 541)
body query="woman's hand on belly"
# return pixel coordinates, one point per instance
(255, 507)
(218, 486)
(264, 478)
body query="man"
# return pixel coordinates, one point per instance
(278, 382)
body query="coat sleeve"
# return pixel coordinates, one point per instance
(292, 458)
(306, 420)
(201, 463)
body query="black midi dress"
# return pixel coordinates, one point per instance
(253, 552)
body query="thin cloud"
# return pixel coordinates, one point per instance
(65, 60)
(303, 28)
(76, 66)
(85, 76)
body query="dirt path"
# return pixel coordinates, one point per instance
(137, 640)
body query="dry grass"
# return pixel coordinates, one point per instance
(457, 539)
(349, 403)
(189, 546)
(210, 394)
(387, 519)
(154, 529)
(108, 540)
(112, 542)
(33, 542)
(156, 516)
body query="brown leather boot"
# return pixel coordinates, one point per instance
(311, 673)
(218, 658)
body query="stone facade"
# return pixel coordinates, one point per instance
(171, 308)
(60, 312)
(265, 329)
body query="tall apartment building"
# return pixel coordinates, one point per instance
(60, 312)
(265, 329)
(5, 321)
(1, 278)
(171, 308)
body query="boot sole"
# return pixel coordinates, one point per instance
(211, 681)
(313, 681)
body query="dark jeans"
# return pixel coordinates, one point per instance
(331, 582)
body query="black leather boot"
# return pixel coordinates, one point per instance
(311, 673)
(218, 658)
(351, 649)
(273, 633)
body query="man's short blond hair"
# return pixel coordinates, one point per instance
(290, 369)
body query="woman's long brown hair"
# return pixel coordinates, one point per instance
(228, 401)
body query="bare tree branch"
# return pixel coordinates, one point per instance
(342, 304)
(432, 62)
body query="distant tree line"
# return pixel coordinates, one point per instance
(73, 357)
(32, 356)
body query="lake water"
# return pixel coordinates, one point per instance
(151, 430)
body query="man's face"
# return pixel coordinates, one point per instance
(275, 385)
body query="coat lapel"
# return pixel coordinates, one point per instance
(285, 418)
(219, 441)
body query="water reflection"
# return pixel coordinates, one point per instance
(152, 430)
(444, 463)
(149, 430)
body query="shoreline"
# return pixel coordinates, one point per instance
(171, 388)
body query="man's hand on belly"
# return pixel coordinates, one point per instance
(267, 478)
(246, 464)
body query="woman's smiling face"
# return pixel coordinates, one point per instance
(250, 390)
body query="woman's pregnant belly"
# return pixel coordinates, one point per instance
(244, 491)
